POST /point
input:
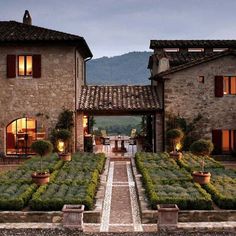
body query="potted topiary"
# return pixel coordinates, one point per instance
(174, 136)
(63, 137)
(42, 148)
(202, 148)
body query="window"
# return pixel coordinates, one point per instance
(228, 140)
(219, 49)
(224, 141)
(21, 133)
(201, 79)
(25, 65)
(229, 85)
(196, 50)
(171, 49)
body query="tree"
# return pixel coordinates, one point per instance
(42, 148)
(202, 148)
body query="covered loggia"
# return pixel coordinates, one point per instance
(122, 100)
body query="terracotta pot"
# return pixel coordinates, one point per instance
(167, 215)
(176, 155)
(40, 178)
(65, 156)
(73, 216)
(201, 177)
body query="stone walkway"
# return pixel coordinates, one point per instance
(120, 210)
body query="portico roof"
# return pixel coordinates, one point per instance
(121, 98)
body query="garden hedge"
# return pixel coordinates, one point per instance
(75, 183)
(166, 183)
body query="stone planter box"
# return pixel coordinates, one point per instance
(167, 215)
(73, 216)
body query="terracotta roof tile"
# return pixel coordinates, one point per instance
(118, 98)
(192, 43)
(12, 31)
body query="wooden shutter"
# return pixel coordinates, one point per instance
(217, 141)
(219, 86)
(11, 66)
(36, 66)
(234, 147)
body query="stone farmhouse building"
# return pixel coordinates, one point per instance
(198, 77)
(43, 71)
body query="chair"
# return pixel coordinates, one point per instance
(132, 140)
(106, 143)
(103, 136)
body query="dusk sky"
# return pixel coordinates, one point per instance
(114, 27)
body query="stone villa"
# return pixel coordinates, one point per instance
(198, 77)
(43, 71)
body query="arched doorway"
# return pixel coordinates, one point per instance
(20, 134)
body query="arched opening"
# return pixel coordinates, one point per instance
(21, 133)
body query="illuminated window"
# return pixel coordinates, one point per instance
(229, 85)
(171, 49)
(25, 65)
(219, 49)
(228, 140)
(196, 49)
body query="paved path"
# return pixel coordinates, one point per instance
(120, 210)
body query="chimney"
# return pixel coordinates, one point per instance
(163, 62)
(27, 18)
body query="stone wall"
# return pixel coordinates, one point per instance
(187, 97)
(159, 132)
(25, 97)
(79, 132)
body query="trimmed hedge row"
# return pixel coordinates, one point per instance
(15, 196)
(23, 173)
(223, 188)
(223, 182)
(166, 183)
(75, 183)
(193, 163)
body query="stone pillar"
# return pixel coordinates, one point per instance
(159, 132)
(79, 132)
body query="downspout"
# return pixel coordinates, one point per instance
(75, 108)
(163, 108)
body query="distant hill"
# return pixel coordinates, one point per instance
(129, 68)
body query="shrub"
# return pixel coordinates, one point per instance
(42, 148)
(167, 183)
(65, 136)
(202, 147)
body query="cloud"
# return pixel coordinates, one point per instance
(113, 27)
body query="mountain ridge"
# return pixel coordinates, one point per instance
(126, 69)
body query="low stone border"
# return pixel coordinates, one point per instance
(48, 229)
(150, 216)
(93, 216)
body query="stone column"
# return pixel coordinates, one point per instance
(159, 132)
(79, 132)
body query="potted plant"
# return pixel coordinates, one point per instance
(174, 136)
(202, 148)
(42, 148)
(63, 139)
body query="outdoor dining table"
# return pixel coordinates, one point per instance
(119, 140)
